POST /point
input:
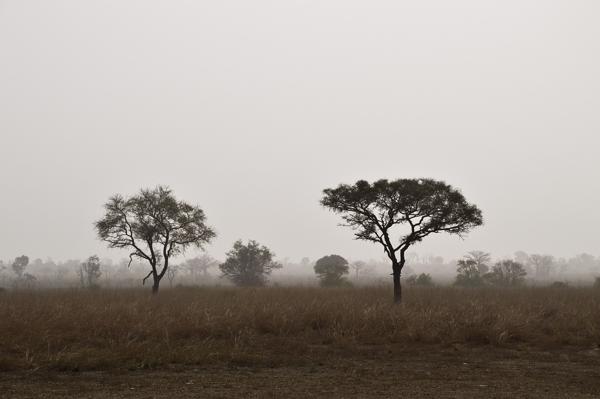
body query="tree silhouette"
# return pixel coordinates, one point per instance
(155, 226)
(19, 265)
(543, 265)
(248, 265)
(480, 259)
(358, 267)
(331, 270)
(200, 264)
(468, 274)
(472, 268)
(423, 206)
(506, 273)
(89, 273)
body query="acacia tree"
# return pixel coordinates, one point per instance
(422, 206)
(331, 270)
(155, 226)
(248, 265)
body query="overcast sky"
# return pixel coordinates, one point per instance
(250, 108)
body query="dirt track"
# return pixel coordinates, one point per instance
(425, 373)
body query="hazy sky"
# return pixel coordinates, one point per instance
(250, 108)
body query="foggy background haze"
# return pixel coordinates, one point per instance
(251, 109)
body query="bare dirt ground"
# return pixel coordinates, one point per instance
(378, 372)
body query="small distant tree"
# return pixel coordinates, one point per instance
(155, 226)
(423, 206)
(543, 265)
(506, 273)
(358, 267)
(481, 260)
(331, 270)
(248, 265)
(90, 272)
(200, 265)
(597, 283)
(468, 274)
(471, 269)
(19, 265)
(422, 280)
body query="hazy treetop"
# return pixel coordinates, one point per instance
(250, 109)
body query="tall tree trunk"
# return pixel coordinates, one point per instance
(397, 286)
(155, 285)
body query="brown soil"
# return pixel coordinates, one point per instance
(454, 371)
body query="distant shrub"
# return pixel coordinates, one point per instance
(331, 270)
(597, 283)
(559, 284)
(423, 280)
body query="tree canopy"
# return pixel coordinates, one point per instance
(331, 269)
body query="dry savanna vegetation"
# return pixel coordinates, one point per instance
(76, 330)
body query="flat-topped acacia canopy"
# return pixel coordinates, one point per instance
(423, 206)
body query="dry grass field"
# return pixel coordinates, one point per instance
(301, 342)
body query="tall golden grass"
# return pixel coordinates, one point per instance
(76, 330)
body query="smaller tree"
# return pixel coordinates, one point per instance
(358, 267)
(89, 272)
(304, 262)
(331, 270)
(200, 265)
(468, 274)
(481, 260)
(506, 273)
(19, 265)
(248, 265)
(543, 265)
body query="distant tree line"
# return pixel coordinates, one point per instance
(156, 228)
